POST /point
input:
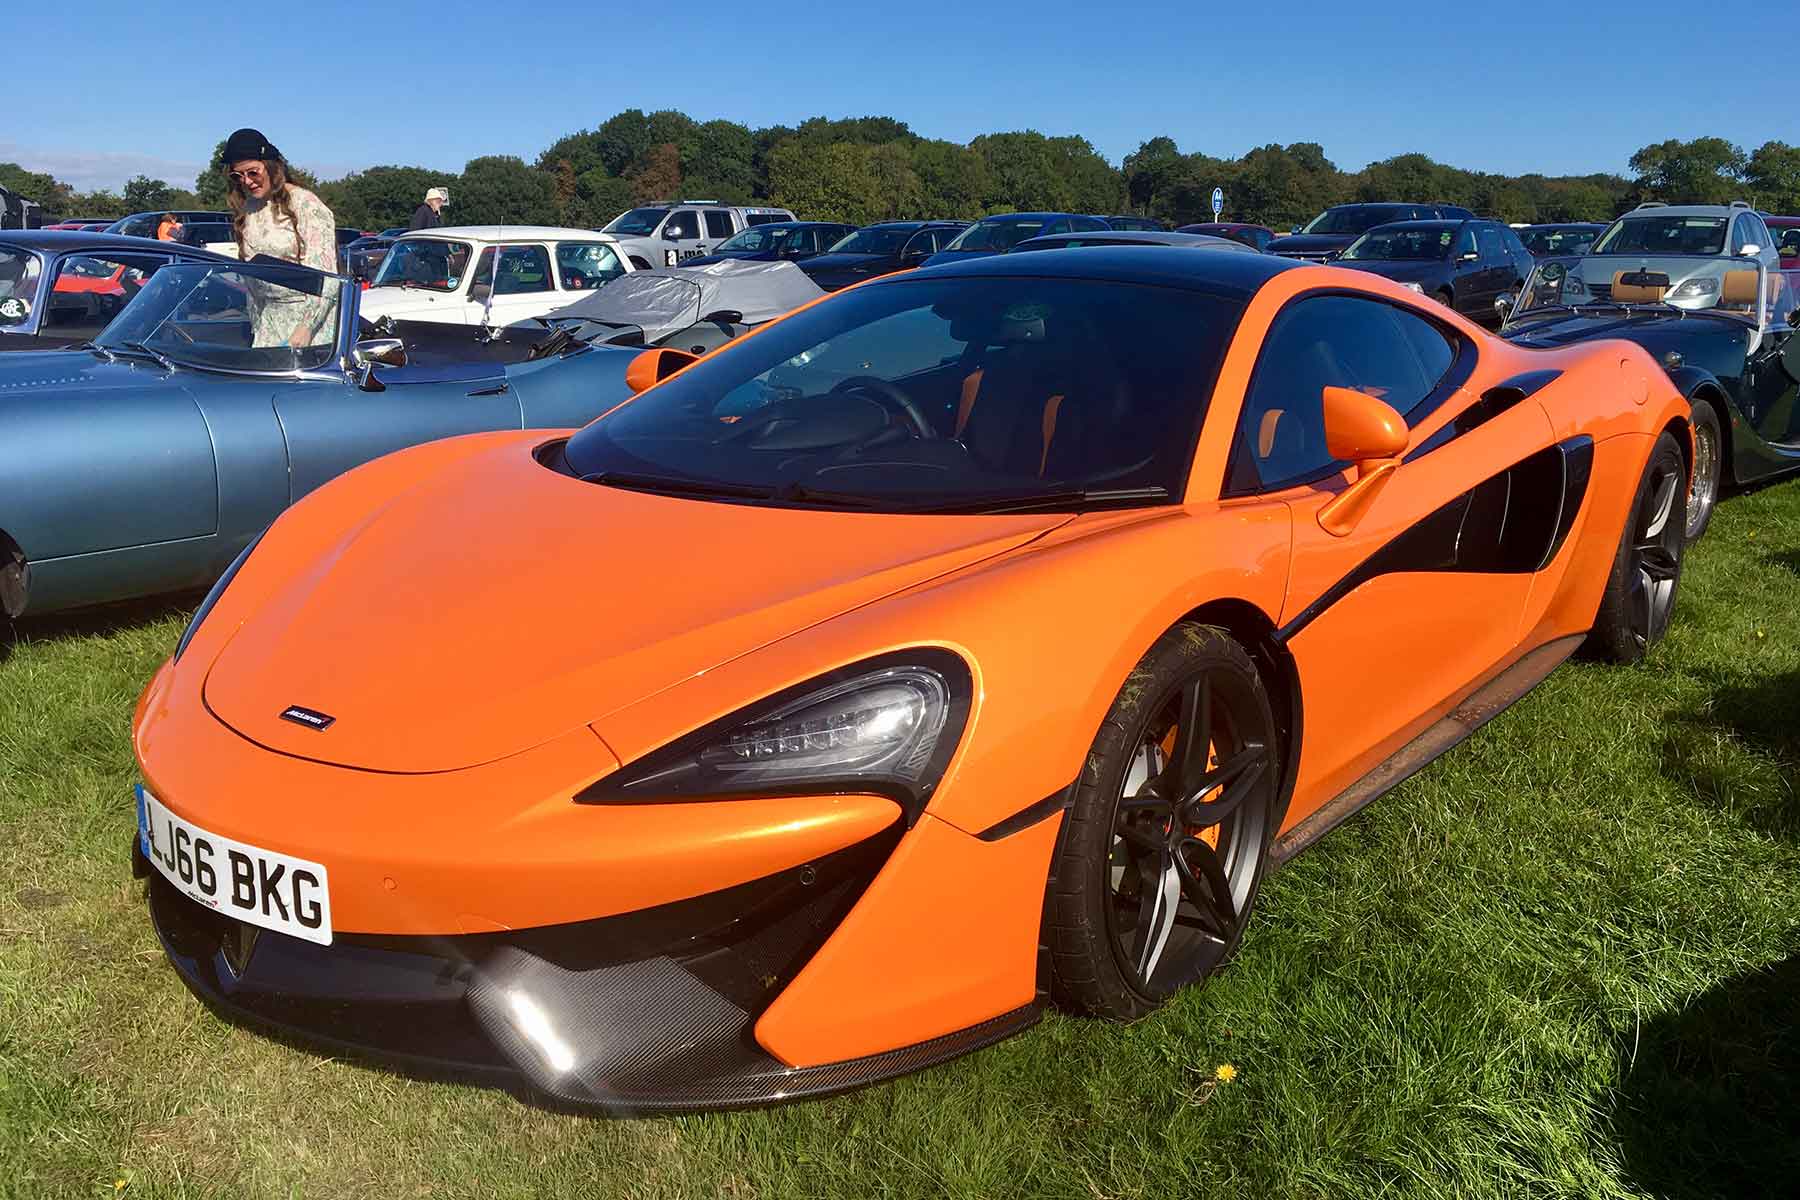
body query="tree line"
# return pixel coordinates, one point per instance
(866, 169)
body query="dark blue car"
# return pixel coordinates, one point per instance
(794, 241)
(880, 249)
(999, 233)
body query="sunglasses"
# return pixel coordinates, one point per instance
(253, 175)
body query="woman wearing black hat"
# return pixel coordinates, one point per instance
(273, 216)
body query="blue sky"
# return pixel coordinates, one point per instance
(1557, 89)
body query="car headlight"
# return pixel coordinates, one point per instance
(212, 597)
(1415, 287)
(1698, 290)
(886, 725)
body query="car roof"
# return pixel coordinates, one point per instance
(60, 241)
(1686, 210)
(1034, 216)
(512, 233)
(1141, 237)
(1430, 223)
(1166, 266)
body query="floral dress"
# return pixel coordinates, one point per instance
(311, 241)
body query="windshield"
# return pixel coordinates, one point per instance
(430, 263)
(637, 222)
(996, 235)
(1663, 235)
(18, 285)
(1722, 285)
(250, 317)
(1557, 242)
(937, 392)
(1354, 219)
(871, 241)
(758, 238)
(1387, 245)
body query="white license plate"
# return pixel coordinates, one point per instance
(274, 891)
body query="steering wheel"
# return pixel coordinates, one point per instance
(891, 397)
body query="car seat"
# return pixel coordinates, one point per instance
(1037, 404)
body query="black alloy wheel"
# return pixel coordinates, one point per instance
(1170, 833)
(1640, 595)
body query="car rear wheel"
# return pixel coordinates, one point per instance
(1169, 833)
(1709, 461)
(1640, 593)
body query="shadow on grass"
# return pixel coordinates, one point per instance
(1707, 1106)
(1761, 718)
(93, 622)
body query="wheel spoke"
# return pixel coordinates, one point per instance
(1237, 776)
(1143, 839)
(1162, 895)
(1193, 740)
(1662, 503)
(1203, 882)
(1657, 564)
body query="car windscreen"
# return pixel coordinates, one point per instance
(1388, 245)
(434, 264)
(921, 394)
(19, 270)
(242, 317)
(1354, 219)
(758, 238)
(636, 222)
(996, 235)
(1663, 235)
(871, 241)
(1557, 242)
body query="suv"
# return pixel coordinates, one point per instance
(1674, 240)
(1341, 224)
(663, 235)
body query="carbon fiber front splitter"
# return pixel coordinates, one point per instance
(645, 1012)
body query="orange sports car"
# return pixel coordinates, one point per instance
(975, 637)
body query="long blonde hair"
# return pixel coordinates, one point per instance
(238, 200)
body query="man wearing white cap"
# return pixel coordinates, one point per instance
(429, 215)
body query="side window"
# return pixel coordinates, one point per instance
(1061, 225)
(919, 244)
(1465, 242)
(683, 225)
(1493, 250)
(89, 290)
(1329, 341)
(586, 265)
(718, 223)
(523, 269)
(144, 226)
(1088, 225)
(1759, 232)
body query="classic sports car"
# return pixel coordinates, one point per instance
(144, 464)
(972, 636)
(1721, 328)
(61, 288)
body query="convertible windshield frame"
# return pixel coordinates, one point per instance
(852, 405)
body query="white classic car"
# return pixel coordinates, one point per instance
(449, 274)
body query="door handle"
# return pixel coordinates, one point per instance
(498, 389)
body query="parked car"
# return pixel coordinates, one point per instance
(362, 257)
(696, 307)
(1786, 232)
(1661, 237)
(880, 249)
(1126, 221)
(144, 224)
(1129, 237)
(1257, 237)
(1721, 328)
(60, 288)
(1560, 240)
(792, 241)
(1329, 232)
(1465, 265)
(345, 239)
(662, 235)
(447, 274)
(147, 463)
(819, 714)
(1000, 233)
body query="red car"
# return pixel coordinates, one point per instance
(1257, 237)
(1787, 240)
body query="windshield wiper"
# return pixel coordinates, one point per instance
(161, 359)
(97, 348)
(1071, 498)
(674, 486)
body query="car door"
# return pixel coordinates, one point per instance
(716, 226)
(521, 288)
(1406, 608)
(332, 425)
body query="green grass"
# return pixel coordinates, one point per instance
(1563, 961)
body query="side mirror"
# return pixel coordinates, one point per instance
(372, 352)
(724, 316)
(653, 366)
(1750, 250)
(1361, 429)
(479, 292)
(1469, 256)
(1503, 304)
(671, 234)
(1295, 229)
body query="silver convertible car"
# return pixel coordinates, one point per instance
(144, 461)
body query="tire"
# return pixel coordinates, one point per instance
(1709, 469)
(1446, 297)
(1141, 904)
(1646, 573)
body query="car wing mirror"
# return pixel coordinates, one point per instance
(372, 352)
(724, 316)
(1503, 305)
(1750, 250)
(653, 366)
(1360, 429)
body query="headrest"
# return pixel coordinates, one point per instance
(1738, 287)
(1633, 293)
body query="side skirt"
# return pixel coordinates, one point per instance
(1477, 709)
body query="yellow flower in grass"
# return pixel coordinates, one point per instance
(1225, 1073)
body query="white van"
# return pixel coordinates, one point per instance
(449, 274)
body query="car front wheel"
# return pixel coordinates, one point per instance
(1169, 832)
